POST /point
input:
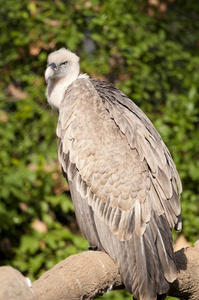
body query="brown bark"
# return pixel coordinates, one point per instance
(92, 273)
(81, 276)
(14, 286)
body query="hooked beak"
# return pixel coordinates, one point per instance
(50, 72)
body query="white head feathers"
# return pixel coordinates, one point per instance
(63, 69)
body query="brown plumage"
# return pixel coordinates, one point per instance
(123, 181)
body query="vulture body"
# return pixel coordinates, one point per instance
(123, 181)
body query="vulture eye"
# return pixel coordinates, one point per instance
(64, 64)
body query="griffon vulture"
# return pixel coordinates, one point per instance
(124, 184)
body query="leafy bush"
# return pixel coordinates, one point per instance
(149, 49)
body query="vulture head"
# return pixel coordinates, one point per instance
(62, 64)
(62, 70)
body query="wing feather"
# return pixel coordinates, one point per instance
(141, 135)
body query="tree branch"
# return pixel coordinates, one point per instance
(81, 276)
(14, 286)
(92, 273)
(187, 284)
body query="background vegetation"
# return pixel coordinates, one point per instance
(148, 48)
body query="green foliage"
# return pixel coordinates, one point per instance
(150, 52)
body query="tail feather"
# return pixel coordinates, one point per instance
(150, 279)
(149, 261)
(145, 263)
(163, 240)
